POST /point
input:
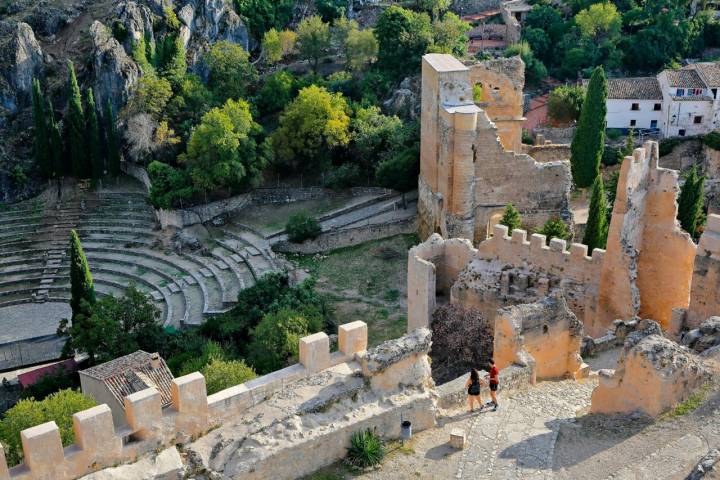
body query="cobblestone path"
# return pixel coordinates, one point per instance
(518, 441)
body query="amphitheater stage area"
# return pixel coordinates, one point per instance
(27, 333)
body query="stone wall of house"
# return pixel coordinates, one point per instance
(466, 175)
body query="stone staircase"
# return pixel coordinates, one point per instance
(124, 246)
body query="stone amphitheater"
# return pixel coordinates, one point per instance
(124, 246)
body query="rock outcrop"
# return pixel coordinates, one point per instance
(653, 375)
(208, 21)
(404, 101)
(705, 337)
(114, 71)
(138, 22)
(21, 59)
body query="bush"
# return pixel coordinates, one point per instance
(712, 140)
(555, 228)
(527, 138)
(170, 186)
(58, 407)
(565, 103)
(613, 133)
(366, 450)
(222, 374)
(612, 156)
(301, 227)
(667, 145)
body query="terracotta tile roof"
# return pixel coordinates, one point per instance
(710, 72)
(686, 78)
(632, 88)
(133, 373)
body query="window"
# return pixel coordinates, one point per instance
(697, 91)
(657, 107)
(697, 119)
(680, 92)
(653, 123)
(681, 132)
(633, 122)
(714, 92)
(635, 106)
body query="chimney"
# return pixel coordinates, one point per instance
(155, 360)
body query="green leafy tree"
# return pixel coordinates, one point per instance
(230, 70)
(271, 47)
(42, 137)
(276, 92)
(301, 227)
(361, 48)
(598, 21)
(75, 122)
(434, 7)
(330, 10)
(262, 15)
(589, 140)
(596, 229)
(403, 38)
(449, 35)
(221, 374)
(400, 171)
(565, 103)
(58, 407)
(313, 39)
(315, 122)
(374, 135)
(170, 186)
(691, 202)
(511, 218)
(175, 66)
(113, 142)
(152, 94)
(93, 133)
(535, 70)
(554, 227)
(276, 338)
(222, 151)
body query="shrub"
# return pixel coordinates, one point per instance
(222, 374)
(613, 133)
(612, 156)
(301, 227)
(712, 140)
(555, 228)
(565, 103)
(511, 218)
(344, 176)
(366, 450)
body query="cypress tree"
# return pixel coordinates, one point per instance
(629, 143)
(175, 65)
(588, 142)
(596, 229)
(93, 130)
(691, 201)
(56, 143)
(76, 127)
(113, 147)
(511, 218)
(42, 145)
(82, 291)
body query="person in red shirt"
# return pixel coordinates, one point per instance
(494, 380)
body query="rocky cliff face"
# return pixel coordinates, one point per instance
(138, 21)
(115, 73)
(21, 59)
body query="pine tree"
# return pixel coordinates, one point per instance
(42, 144)
(691, 201)
(56, 143)
(596, 229)
(588, 143)
(511, 218)
(113, 147)
(82, 291)
(76, 127)
(93, 130)
(555, 228)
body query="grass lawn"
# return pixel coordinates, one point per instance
(365, 282)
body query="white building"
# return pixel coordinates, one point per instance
(675, 103)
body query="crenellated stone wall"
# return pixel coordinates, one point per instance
(705, 289)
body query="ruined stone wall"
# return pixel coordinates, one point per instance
(466, 175)
(550, 152)
(544, 335)
(705, 289)
(653, 374)
(648, 264)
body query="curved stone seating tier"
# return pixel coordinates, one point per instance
(179, 263)
(228, 277)
(255, 239)
(19, 263)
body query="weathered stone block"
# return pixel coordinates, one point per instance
(43, 449)
(457, 438)
(144, 411)
(315, 352)
(94, 432)
(352, 337)
(4, 472)
(189, 399)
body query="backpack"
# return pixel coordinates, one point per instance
(474, 388)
